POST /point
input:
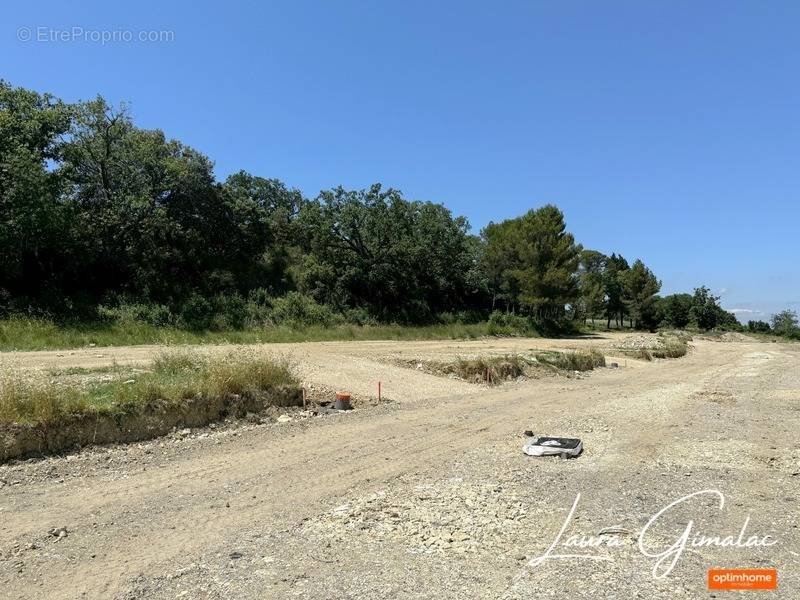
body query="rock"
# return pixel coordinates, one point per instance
(58, 532)
(284, 418)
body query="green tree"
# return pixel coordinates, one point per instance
(33, 220)
(499, 259)
(785, 323)
(614, 287)
(150, 219)
(591, 270)
(374, 249)
(758, 327)
(548, 262)
(640, 286)
(676, 310)
(706, 312)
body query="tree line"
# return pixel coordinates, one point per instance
(102, 219)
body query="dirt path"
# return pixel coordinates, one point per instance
(355, 366)
(347, 506)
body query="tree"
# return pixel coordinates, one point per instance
(150, 219)
(499, 259)
(676, 310)
(758, 327)
(266, 216)
(614, 287)
(590, 280)
(706, 312)
(639, 287)
(373, 249)
(547, 264)
(785, 323)
(33, 220)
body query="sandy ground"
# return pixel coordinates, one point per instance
(430, 496)
(353, 366)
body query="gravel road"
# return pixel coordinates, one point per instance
(429, 496)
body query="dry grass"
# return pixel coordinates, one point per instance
(575, 360)
(175, 377)
(673, 348)
(490, 369)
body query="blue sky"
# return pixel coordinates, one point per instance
(668, 131)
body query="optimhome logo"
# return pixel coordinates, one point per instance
(742, 579)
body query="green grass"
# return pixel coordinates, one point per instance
(38, 334)
(175, 377)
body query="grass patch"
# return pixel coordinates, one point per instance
(672, 348)
(175, 377)
(495, 369)
(39, 334)
(574, 360)
(489, 369)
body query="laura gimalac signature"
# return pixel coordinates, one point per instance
(665, 556)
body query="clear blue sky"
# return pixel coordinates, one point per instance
(664, 130)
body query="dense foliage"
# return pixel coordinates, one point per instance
(102, 220)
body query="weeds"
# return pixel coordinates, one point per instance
(673, 348)
(490, 369)
(175, 378)
(574, 360)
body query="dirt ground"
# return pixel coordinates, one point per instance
(429, 496)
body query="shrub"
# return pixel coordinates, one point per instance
(157, 315)
(298, 311)
(501, 323)
(197, 313)
(359, 316)
(230, 311)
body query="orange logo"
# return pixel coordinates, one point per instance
(742, 579)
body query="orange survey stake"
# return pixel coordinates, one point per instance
(742, 579)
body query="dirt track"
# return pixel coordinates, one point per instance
(428, 497)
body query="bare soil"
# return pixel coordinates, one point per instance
(428, 496)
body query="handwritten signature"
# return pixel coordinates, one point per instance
(665, 558)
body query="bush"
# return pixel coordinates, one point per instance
(360, 316)
(231, 311)
(197, 313)
(298, 311)
(758, 327)
(501, 323)
(156, 315)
